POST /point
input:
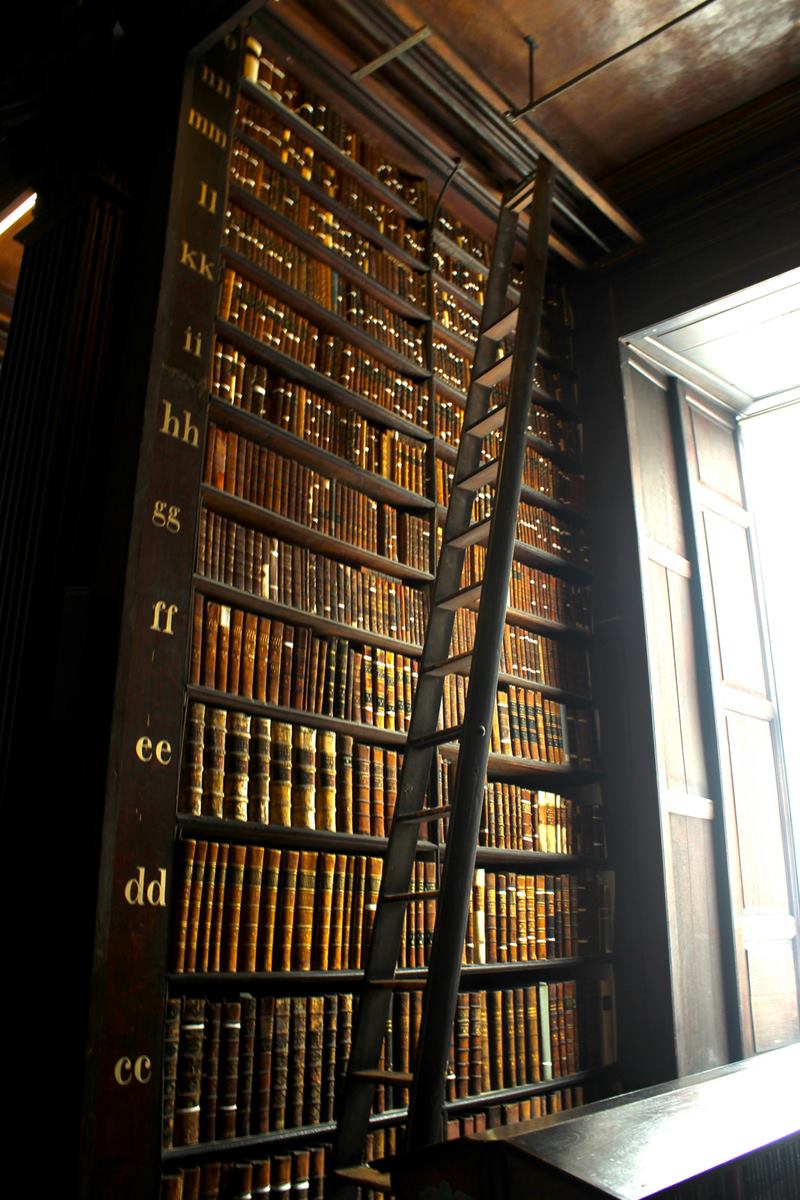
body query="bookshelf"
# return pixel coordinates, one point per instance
(326, 355)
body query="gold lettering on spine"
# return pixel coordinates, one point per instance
(166, 516)
(207, 128)
(171, 426)
(168, 611)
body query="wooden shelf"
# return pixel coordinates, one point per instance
(289, 835)
(515, 616)
(261, 430)
(269, 522)
(315, 312)
(451, 249)
(477, 534)
(243, 1146)
(456, 339)
(537, 859)
(541, 500)
(295, 716)
(238, 597)
(528, 771)
(316, 247)
(348, 215)
(537, 966)
(457, 292)
(309, 377)
(523, 1091)
(330, 150)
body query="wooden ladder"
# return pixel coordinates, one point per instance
(440, 982)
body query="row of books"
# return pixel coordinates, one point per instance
(264, 659)
(296, 152)
(462, 321)
(307, 104)
(535, 592)
(521, 918)
(528, 655)
(528, 725)
(271, 772)
(561, 434)
(269, 320)
(288, 196)
(319, 421)
(247, 908)
(302, 1174)
(282, 485)
(249, 236)
(518, 818)
(462, 236)
(544, 531)
(451, 366)
(299, 578)
(539, 473)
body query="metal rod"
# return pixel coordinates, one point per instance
(515, 114)
(400, 48)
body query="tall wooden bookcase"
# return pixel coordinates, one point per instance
(315, 327)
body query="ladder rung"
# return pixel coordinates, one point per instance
(468, 597)
(505, 325)
(485, 474)
(400, 983)
(409, 897)
(521, 198)
(493, 420)
(438, 738)
(479, 532)
(368, 1177)
(499, 371)
(459, 665)
(400, 1078)
(425, 814)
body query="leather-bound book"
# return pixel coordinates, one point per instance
(280, 1063)
(297, 1062)
(550, 916)
(218, 912)
(344, 783)
(391, 690)
(541, 917)
(262, 1077)
(514, 722)
(522, 918)
(509, 1040)
(247, 1041)
(223, 649)
(317, 1174)
(323, 900)
(491, 918)
(283, 695)
(196, 659)
(519, 1034)
(501, 900)
(186, 1130)
(355, 706)
(462, 1045)
(362, 781)
(251, 907)
(390, 780)
(235, 651)
(347, 912)
(206, 910)
(209, 1181)
(191, 790)
(499, 1076)
(511, 911)
(304, 770)
(211, 619)
(262, 656)
(377, 809)
(301, 1164)
(374, 869)
(335, 942)
(171, 1187)
(287, 894)
(269, 909)
(341, 682)
(237, 767)
(214, 737)
(325, 794)
(545, 1045)
(234, 887)
(304, 911)
(282, 1175)
(357, 929)
(326, 696)
(367, 698)
(572, 1063)
(302, 656)
(229, 1068)
(477, 1019)
(400, 714)
(314, 1037)
(344, 1036)
(209, 1083)
(328, 1086)
(260, 762)
(479, 916)
(275, 664)
(280, 788)
(183, 892)
(172, 1033)
(195, 905)
(429, 923)
(503, 721)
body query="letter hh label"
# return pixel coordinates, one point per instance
(172, 426)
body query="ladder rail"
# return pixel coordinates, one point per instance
(426, 1101)
(383, 953)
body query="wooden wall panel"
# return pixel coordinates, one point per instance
(666, 704)
(738, 636)
(683, 637)
(774, 1006)
(717, 460)
(655, 476)
(754, 793)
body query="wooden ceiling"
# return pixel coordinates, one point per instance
(720, 55)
